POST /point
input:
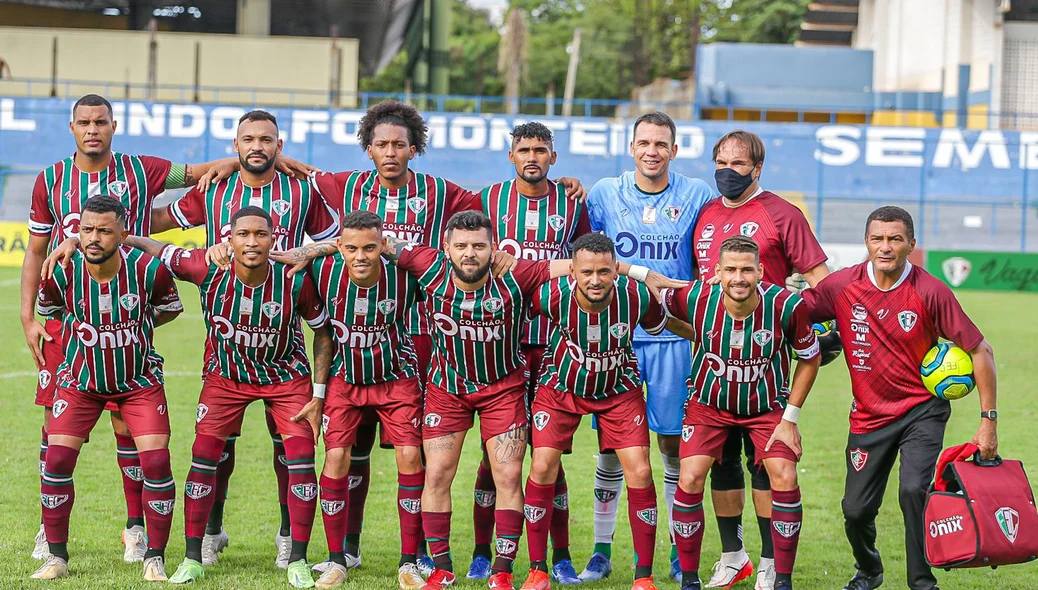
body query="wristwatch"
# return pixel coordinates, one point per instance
(990, 414)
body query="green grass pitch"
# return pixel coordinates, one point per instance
(1008, 320)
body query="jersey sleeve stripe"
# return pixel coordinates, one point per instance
(331, 231)
(173, 306)
(166, 256)
(48, 310)
(43, 229)
(318, 321)
(666, 310)
(178, 216)
(808, 353)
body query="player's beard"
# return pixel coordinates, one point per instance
(473, 277)
(730, 287)
(533, 178)
(607, 291)
(255, 168)
(99, 258)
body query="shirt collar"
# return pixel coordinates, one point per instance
(901, 279)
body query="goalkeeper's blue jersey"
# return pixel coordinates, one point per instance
(650, 229)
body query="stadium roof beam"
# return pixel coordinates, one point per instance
(829, 22)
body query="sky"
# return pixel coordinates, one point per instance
(495, 7)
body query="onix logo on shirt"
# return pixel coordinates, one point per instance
(247, 336)
(359, 336)
(597, 362)
(109, 336)
(480, 331)
(530, 249)
(748, 370)
(648, 246)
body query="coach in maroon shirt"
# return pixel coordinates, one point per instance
(890, 314)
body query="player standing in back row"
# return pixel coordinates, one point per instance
(534, 220)
(893, 313)
(787, 245)
(649, 214)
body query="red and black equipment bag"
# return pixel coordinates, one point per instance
(979, 513)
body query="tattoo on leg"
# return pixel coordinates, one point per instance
(511, 446)
(443, 443)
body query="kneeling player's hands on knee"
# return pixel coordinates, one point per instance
(789, 434)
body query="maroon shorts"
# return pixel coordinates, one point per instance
(74, 412)
(621, 419)
(398, 404)
(222, 403)
(534, 355)
(705, 428)
(501, 407)
(423, 350)
(53, 356)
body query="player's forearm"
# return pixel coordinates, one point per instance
(161, 220)
(164, 317)
(193, 172)
(815, 275)
(683, 329)
(393, 247)
(323, 353)
(32, 264)
(803, 379)
(146, 245)
(984, 372)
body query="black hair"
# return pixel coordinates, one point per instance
(595, 243)
(92, 100)
(657, 118)
(469, 221)
(394, 113)
(252, 211)
(532, 130)
(739, 245)
(362, 219)
(258, 115)
(102, 204)
(891, 213)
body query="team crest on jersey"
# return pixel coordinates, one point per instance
(786, 529)
(671, 212)
(533, 513)
(305, 491)
(117, 188)
(45, 378)
(762, 337)
(1008, 522)
(956, 270)
(859, 458)
(387, 306)
(281, 207)
(411, 505)
(332, 507)
(353, 481)
(561, 502)
(619, 330)
(493, 305)
(484, 498)
(129, 301)
(540, 420)
(134, 472)
(200, 412)
(708, 231)
(907, 319)
(432, 420)
(748, 229)
(648, 516)
(163, 507)
(59, 406)
(271, 309)
(52, 501)
(859, 312)
(416, 204)
(687, 431)
(604, 495)
(557, 222)
(686, 529)
(506, 546)
(197, 491)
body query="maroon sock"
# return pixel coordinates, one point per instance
(200, 487)
(641, 509)
(485, 494)
(279, 459)
(538, 511)
(437, 527)
(224, 469)
(302, 485)
(688, 528)
(409, 509)
(133, 476)
(787, 514)
(159, 495)
(560, 513)
(57, 492)
(360, 480)
(509, 530)
(334, 496)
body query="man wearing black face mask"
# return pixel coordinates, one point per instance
(787, 245)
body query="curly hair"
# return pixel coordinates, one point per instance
(532, 130)
(394, 113)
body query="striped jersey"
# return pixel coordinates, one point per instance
(742, 366)
(62, 188)
(254, 333)
(291, 202)
(591, 354)
(780, 229)
(368, 322)
(417, 212)
(534, 228)
(476, 340)
(107, 327)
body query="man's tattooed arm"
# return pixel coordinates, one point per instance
(302, 255)
(323, 353)
(393, 247)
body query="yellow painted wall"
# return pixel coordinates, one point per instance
(14, 238)
(302, 64)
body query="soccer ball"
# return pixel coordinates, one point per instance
(947, 371)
